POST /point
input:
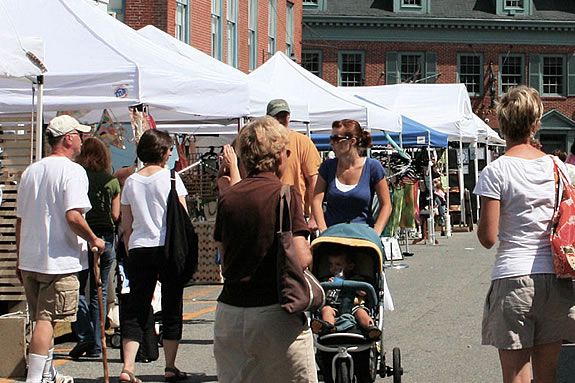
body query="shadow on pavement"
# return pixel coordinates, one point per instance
(197, 341)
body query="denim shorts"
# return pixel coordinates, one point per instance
(526, 311)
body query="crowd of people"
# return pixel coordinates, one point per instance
(70, 207)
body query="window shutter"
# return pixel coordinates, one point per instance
(535, 72)
(430, 67)
(571, 76)
(391, 69)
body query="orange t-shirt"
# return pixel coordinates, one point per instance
(303, 162)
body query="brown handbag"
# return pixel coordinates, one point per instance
(298, 289)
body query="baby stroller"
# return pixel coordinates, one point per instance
(350, 356)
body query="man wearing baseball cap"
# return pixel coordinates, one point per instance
(303, 163)
(51, 236)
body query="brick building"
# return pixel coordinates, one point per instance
(487, 44)
(242, 33)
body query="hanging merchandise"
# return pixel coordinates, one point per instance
(110, 131)
(141, 120)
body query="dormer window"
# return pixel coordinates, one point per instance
(514, 7)
(514, 4)
(419, 6)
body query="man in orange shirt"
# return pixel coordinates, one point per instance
(303, 164)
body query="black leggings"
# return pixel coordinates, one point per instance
(143, 268)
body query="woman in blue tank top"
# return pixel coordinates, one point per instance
(348, 183)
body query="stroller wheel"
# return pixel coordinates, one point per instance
(342, 374)
(116, 340)
(397, 369)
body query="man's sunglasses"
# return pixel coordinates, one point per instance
(338, 138)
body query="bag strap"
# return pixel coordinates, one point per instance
(173, 178)
(561, 182)
(285, 201)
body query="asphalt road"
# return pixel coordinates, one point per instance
(436, 323)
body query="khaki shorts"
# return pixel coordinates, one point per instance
(262, 344)
(51, 297)
(526, 311)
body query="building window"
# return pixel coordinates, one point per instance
(289, 29)
(470, 73)
(272, 20)
(217, 29)
(510, 72)
(232, 32)
(553, 76)
(408, 3)
(252, 34)
(513, 4)
(350, 65)
(417, 6)
(182, 21)
(117, 9)
(411, 66)
(311, 60)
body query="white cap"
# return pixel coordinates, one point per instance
(65, 124)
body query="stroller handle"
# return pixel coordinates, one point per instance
(352, 285)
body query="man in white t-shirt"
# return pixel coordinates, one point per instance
(51, 235)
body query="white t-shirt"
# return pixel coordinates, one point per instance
(526, 191)
(148, 197)
(48, 189)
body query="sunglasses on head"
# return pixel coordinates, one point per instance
(338, 138)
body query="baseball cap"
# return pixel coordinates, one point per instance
(65, 124)
(276, 106)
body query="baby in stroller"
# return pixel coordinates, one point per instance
(344, 307)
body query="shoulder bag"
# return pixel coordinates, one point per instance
(181, 247)
(563, 226)
(298, 289)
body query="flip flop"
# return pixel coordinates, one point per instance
(373, 333)
(132, 379)
(177, 376)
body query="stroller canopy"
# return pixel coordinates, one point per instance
(352, 234)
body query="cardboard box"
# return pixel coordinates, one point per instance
(13, 350)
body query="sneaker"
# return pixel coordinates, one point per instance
(81, 348)
(59, 378)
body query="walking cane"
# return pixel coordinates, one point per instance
(98, 279)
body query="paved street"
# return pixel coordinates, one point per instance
(438, 300)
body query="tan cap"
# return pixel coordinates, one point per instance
(277, 106)
(65, 124)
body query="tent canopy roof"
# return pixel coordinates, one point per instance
(259, 93)
(326, 102)
(96, 61)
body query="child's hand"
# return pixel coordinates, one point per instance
(361, 293)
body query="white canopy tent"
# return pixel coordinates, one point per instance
(259, 93)
(97, 62)
(326, 102)
(21, 60)
(443, 107)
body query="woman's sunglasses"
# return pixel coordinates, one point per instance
(337, 138)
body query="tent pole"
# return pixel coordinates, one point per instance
(448, 214)
(476, 177)
(461, 182)
(431, 219)
(39, 116)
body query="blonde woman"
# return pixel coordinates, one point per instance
(255, 340)
(526, 309)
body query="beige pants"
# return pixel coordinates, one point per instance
(262, 344)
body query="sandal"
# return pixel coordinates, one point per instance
(373, 332)
(132, 379)
(321, 327)
(177, 376)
